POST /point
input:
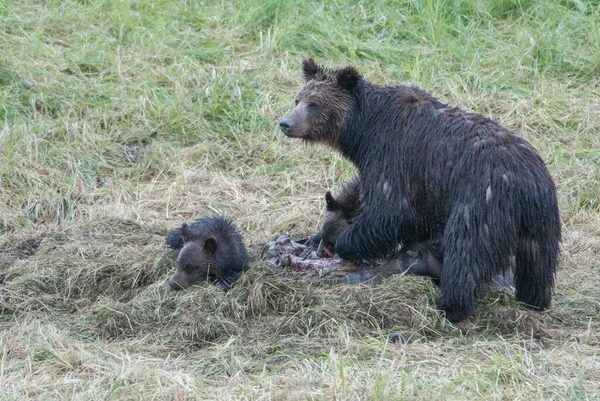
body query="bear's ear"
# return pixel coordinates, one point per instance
(210, 245)
(331, 202)
(310, 69)
(187, 234)
(347, 77)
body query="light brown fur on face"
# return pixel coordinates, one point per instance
(322, 105)
(319, 113)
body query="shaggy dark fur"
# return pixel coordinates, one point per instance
(429, 170)
(210, 248)
(420, 259)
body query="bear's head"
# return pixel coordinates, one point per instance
(196, 260)
(339, 213)
(322, 105)
(335, 222)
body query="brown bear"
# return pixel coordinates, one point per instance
(210, 248)
(431, 171)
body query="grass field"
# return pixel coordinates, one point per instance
(119, 119)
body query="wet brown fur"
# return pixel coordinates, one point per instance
(432, 171)
(339, 212)
(211, 249)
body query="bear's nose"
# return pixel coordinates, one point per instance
(174, 284)
(285, 125)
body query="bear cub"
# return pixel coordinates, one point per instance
(421, 259)
(339, 212)
(210, 248)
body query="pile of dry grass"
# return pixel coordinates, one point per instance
(92, 300)
(112, 273)
(75, 267)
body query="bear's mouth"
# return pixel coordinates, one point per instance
(294, 127)
(292, 133)
(295, 131)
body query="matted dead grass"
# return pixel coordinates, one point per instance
(92, 303)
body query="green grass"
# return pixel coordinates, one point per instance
(120, 119)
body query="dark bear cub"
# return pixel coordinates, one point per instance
(421, 259)
(429, 171)
(210, 248)
(339, 212)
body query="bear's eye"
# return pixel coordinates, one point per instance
(296, 102)
(312, 105)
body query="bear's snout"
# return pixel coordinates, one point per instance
(285, 124)
(174, 285)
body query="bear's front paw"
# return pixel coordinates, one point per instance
(313, 241)
(222, 284)
(454, 313)
(345, 249)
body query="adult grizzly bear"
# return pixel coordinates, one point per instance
(428, 170)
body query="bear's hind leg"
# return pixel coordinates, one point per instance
(534, 275)
(458, 288)
(473, 254)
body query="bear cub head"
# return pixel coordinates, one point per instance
(339, 213)
(322, 105)
(196, 260)
(211, 249)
